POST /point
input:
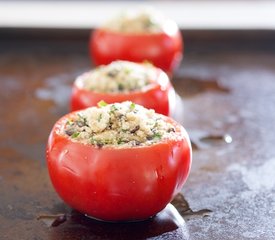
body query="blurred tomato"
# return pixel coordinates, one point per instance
(163, 49)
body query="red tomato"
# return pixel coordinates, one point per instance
(160, 97)
(117, 184)
(163, 49)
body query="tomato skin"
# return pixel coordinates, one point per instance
(162, 49)
(115, 184)
(160, 97)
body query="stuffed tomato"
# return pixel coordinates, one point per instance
(144, 35)
(120, 81)
(118, 162)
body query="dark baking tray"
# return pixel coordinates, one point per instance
(227, 86)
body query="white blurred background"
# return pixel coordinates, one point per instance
(198, 14)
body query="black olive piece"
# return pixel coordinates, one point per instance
(80, 123)
(99, 144)
(112, 73)
(69, 131)
(120, 116)
(136, 128)
(149, 137)
(171, 130)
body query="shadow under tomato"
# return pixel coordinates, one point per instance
(168, 224)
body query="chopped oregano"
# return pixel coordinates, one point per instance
(128, 70)
(113, 108)
(120, 141)
(99, 117)
(102, 104)
(157, 136)
(75, 135)
(132, 106)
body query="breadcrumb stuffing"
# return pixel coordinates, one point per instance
(119, 125)
(118, 77)
(141, 21)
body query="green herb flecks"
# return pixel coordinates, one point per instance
(75, 135)
(121, 87)
(102, 104)
(157, 136)
(120, 141)
(69, 122)
(81, 121)
(113, 109)
(132, 106)
(154, 136)
(128, 70)
(99, 117)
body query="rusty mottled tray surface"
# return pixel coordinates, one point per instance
(228, 93)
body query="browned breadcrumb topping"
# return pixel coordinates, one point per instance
(120, 124)
(137, 21)
(118, 77)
